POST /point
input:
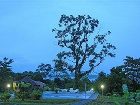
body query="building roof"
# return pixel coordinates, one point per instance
(33, 82)
(28, 80)
(40, 83)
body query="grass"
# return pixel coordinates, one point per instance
(40, 102)
(111, 100)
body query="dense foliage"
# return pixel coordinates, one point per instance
(5, 96)
(131, 68)
(36, 94)
(6, 74)
(128, 73)
(24, 91)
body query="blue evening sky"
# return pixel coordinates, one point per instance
(26, 29)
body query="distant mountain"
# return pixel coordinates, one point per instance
(91, 77)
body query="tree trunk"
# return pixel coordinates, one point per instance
(77, 81)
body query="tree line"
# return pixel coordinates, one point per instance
(127, 73)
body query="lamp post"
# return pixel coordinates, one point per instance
(102, 87)
(8, 86)
(85, 90)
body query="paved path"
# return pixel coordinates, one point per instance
(86, 101)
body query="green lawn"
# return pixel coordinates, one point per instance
(40, 102)
(111, 100)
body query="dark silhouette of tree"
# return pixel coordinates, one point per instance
(59, 83)
(132, 70)
(37, 76)
(18, 76)
(33, 75)
(5, 72)
(60, 69)
(101, 80)
(81, 46)
(44, 70)
(116, 79)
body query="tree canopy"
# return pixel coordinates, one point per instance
(44, 69)
(5, 72)
(131, 68)
(81, 44)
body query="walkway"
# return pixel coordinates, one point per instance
(86, 101)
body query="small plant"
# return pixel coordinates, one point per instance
(5, 96)
(36, 94)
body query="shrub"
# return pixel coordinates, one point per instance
(22, 95)
(24, 91)
(5, 96)
(126, 103)
(36, 94)
(115, 94)
(46, 88)
(121, 93)
(137, 91)
(108, 94)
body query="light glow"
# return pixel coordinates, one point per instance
(8, 85)
(102, 86)
(92, 89)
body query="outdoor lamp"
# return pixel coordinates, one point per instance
(92, 89)
(8, 85)
(102, 87)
